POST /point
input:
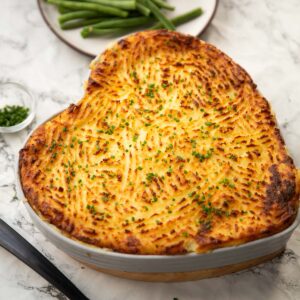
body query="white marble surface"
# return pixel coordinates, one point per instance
(262, 36)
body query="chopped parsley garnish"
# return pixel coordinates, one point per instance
(201, 156)
(53, 145)
(226, 182)
(150, 176)
(133, 74)
(170, 147)
(11, 115)
(154, 199)
(150, 91)
(135, 137)
(110, 130)
(207, 209)
(194, 143)
(91, 208)
(233, 157)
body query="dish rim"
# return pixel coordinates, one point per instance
(94, 250)
(76, 48)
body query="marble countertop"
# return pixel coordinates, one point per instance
(262, 36)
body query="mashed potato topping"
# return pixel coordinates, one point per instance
(171, 150)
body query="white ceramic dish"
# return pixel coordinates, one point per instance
(94, 46)
(114, 261)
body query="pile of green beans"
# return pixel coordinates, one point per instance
(106, 17)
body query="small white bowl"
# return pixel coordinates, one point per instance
(12, 93)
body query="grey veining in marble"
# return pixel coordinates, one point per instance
(262, 36)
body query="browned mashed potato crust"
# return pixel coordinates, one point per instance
(171, 150)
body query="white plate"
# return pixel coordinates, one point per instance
(94, 46)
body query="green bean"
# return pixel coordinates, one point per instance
(80, 23)
(123, 23)
(122, 4)
(63, 10)
(80, 14)
(181, 19)
(163, 4)
(91, 6)
(159, 15)
(135, 13)
(88, 31)
(144, 10)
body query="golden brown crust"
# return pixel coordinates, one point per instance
(171, 150)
